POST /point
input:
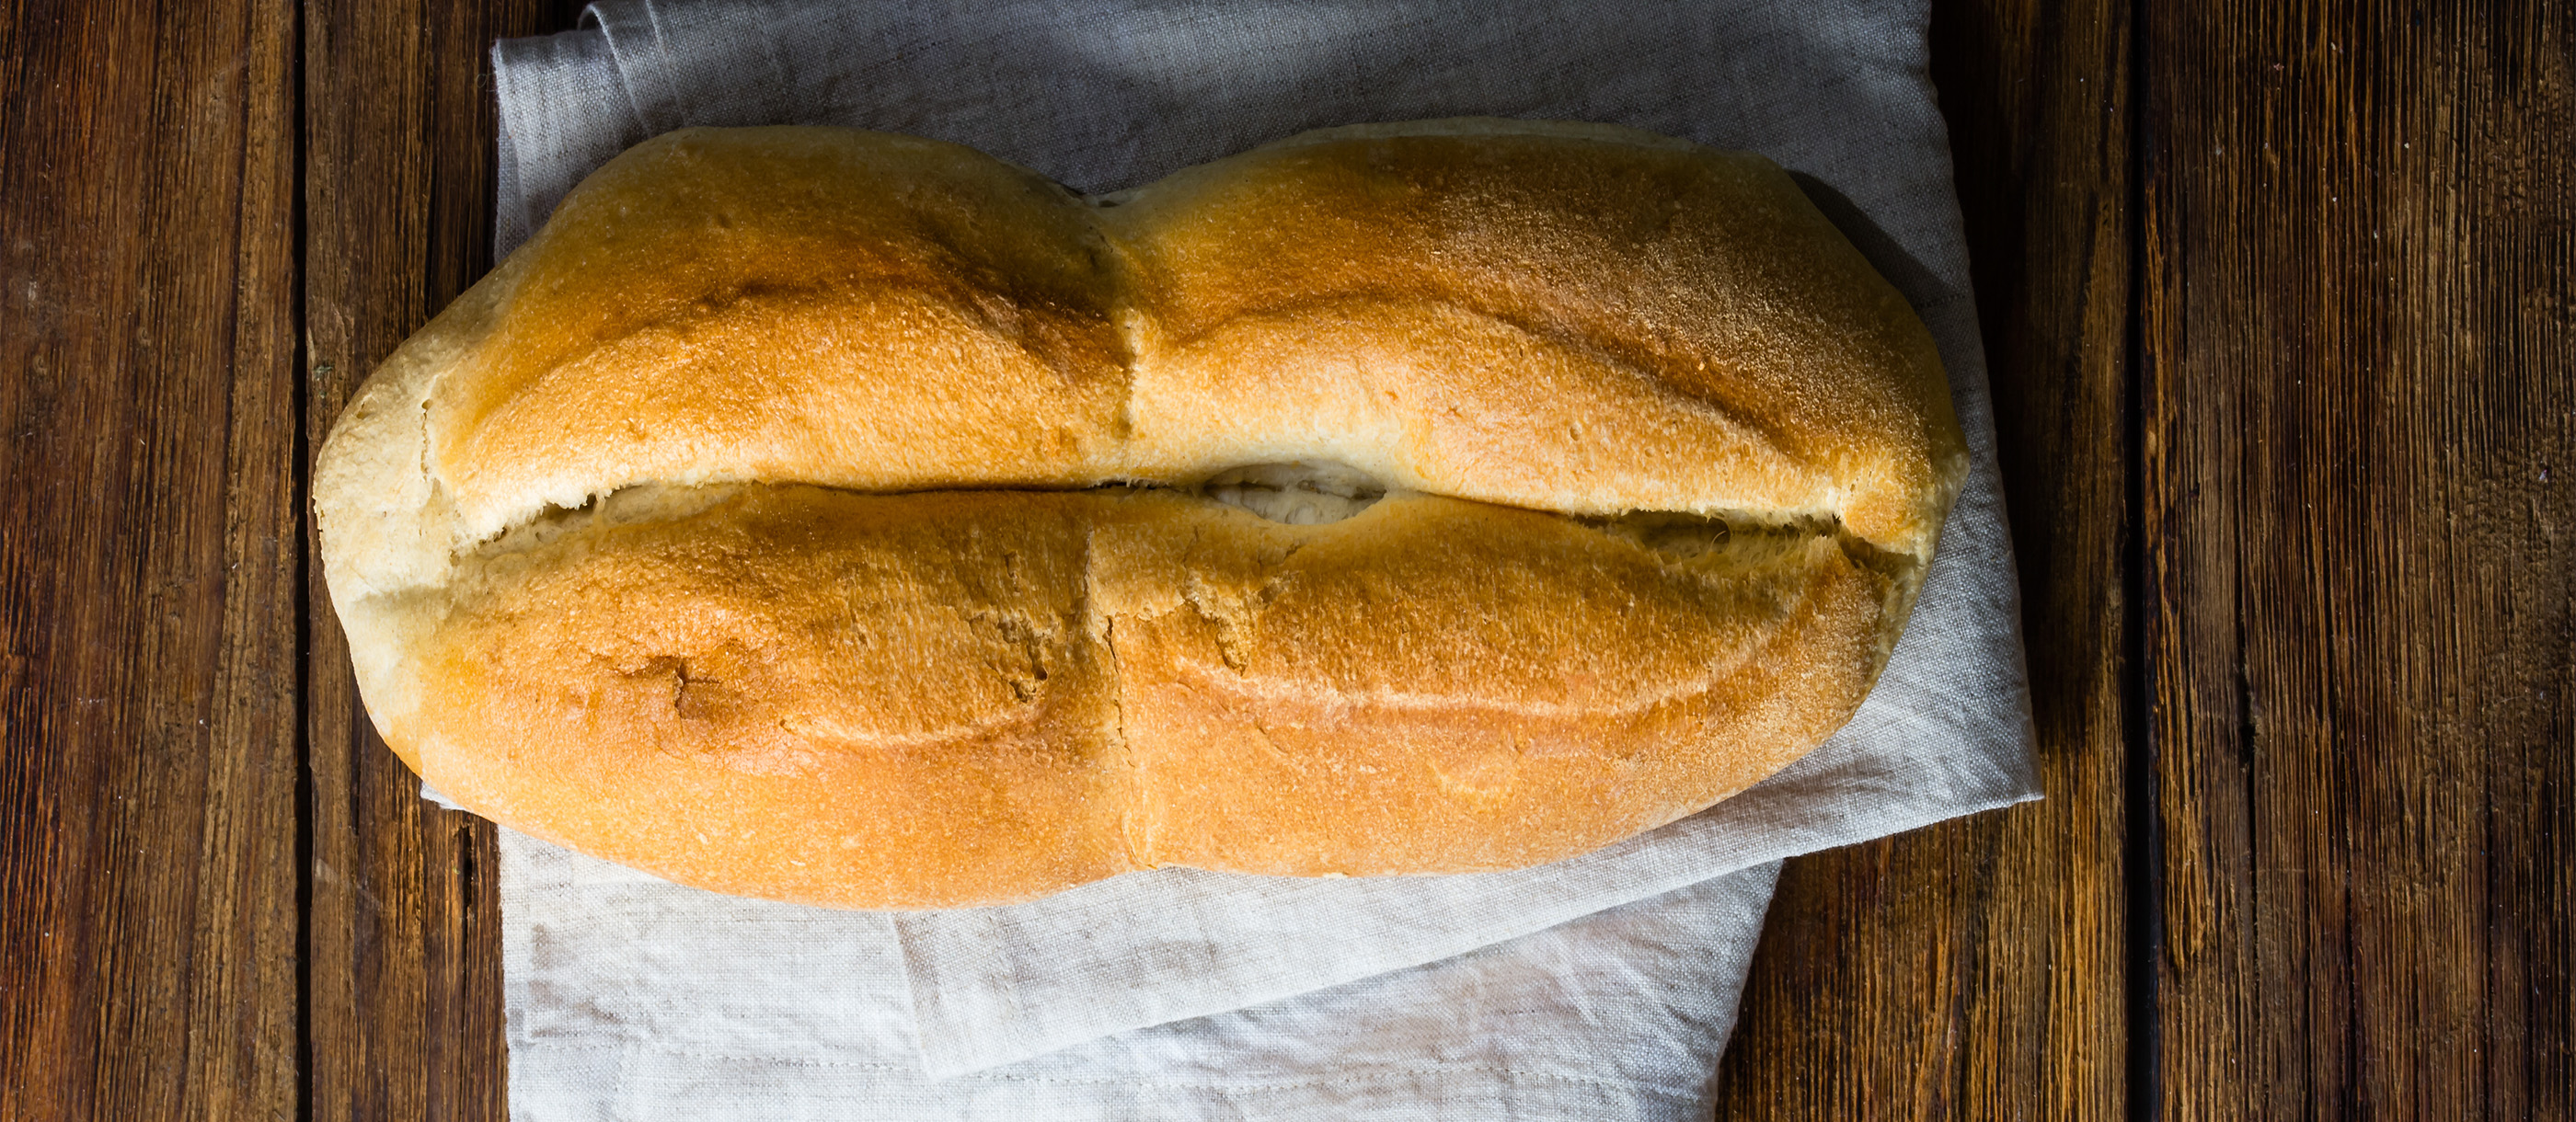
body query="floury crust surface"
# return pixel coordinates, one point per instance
(854, 519)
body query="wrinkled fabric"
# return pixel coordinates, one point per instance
(1600, 987)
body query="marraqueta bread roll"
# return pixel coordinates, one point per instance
(859, 520)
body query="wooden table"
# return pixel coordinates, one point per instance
(2281, 302)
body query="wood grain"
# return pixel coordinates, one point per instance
(2359, 344)
(148, 563)
(1975, 968)
(146, 552)
(405, 1011)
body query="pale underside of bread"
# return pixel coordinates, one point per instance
(816, 515)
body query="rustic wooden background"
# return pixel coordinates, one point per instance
(2281, 299)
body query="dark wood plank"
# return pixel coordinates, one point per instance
(2359, 344)
(406, 1002)
(1975, 969)
(148, 562)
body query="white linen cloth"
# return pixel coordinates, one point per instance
(628, 1005)
(1601, 987)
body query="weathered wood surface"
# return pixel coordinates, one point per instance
(150, 576)
(2280, 303)
(2357, 367)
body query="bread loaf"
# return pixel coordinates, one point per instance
(856, 519)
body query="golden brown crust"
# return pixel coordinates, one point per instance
(618, 546)
(888, 701)
(1437, 685)
(953, 697)
(1561, 322)
(866, 311)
